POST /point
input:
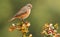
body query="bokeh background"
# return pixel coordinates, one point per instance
(43, 11)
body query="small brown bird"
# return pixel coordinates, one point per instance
(23, 13)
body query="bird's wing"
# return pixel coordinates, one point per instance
(22, 11)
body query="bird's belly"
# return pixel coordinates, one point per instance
(24, 16)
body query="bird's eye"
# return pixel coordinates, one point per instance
(29, 6)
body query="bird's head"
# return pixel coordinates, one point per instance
(29, 5)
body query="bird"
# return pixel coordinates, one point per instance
(23, 13)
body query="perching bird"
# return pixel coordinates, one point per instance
(23, 13)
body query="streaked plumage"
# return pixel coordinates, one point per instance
(23, 13)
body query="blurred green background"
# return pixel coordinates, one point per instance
(43, 11)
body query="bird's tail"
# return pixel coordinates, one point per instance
(11, 19)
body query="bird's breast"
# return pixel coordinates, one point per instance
(26, 14)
